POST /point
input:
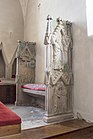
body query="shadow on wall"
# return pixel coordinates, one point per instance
(2, 65)
(14, 69)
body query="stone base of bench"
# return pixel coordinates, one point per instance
(10, 130)
(30, 99)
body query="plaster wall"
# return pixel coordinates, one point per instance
(35, 27)
(11, 26)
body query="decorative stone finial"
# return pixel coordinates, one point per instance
(59, 20)
(49, 17)
(48, 30)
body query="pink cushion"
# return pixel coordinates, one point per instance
(8, 117)
(39, 87)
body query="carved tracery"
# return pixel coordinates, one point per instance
(61, 60)
(26, 62)
(25, 71)
(59, 67)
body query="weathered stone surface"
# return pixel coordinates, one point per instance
(26, 61)
(59, 71)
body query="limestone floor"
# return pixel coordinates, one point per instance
(31, 116)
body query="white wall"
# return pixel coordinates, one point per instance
(75, 11)
(11, 26)
(35, 25)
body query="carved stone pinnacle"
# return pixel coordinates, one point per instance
(49, 17)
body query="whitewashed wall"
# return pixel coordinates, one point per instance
(75, 11)
(11, 26)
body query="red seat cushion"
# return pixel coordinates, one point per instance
(39, 87)
(8, 117)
